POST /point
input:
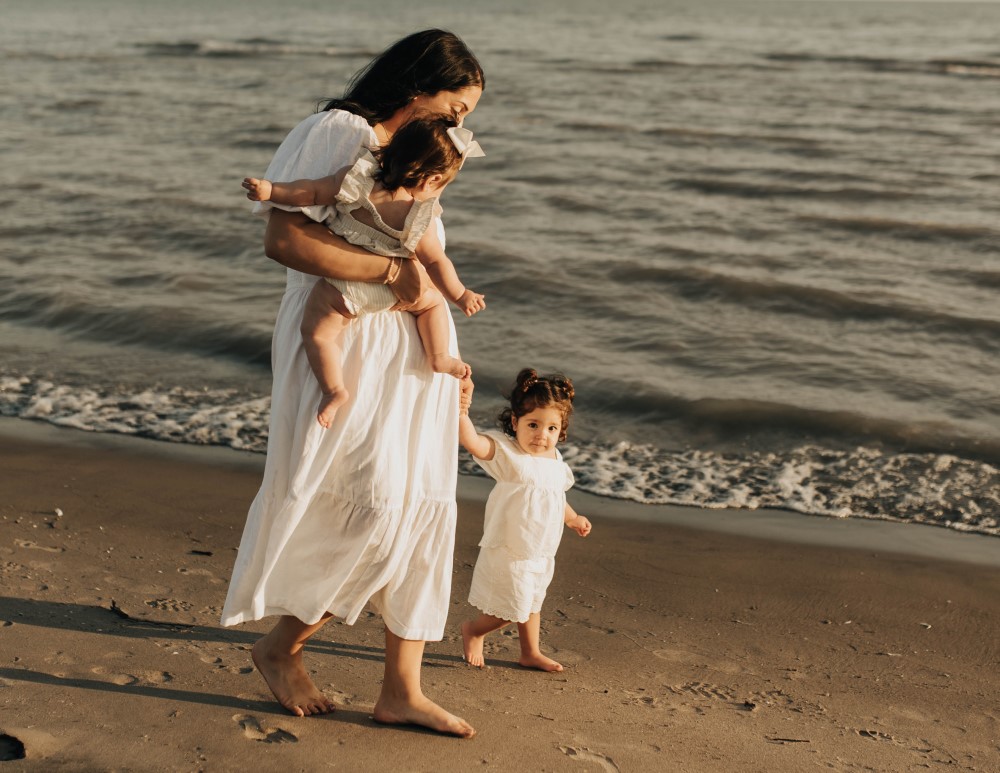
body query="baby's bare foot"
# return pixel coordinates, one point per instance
(421, 711)
(473, 646)
(287, 679)
(329, 404)
(540, 662)
(443, 363)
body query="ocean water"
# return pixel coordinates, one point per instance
(761, 237)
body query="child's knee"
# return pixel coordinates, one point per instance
(429, 300)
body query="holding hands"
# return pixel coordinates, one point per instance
(257, 190)
(466, 388)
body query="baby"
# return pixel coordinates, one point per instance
(386, 203)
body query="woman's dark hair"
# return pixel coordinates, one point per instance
(532, 391)
(421, 149)
(423, 63)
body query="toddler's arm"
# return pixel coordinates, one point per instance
(478, 445)
(431, 255)
(298, 193)
(576, 522)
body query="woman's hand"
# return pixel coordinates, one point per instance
(410, 284)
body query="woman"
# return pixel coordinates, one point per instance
(363, 511)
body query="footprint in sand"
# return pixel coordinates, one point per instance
(170, 605)
(585, 755)
(24, 543)
(253, 730)
(703, 690)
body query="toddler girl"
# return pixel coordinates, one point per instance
(525, 511)
(385, 202)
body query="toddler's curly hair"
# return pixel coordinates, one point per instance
(532, 391)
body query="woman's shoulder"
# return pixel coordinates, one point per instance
(340, 122)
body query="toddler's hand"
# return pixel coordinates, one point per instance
(257, 190)
(581, 526)
(466, 388)
(470, 302)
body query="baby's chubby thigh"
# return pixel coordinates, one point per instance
(430, 299)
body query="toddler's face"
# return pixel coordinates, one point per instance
(537, 432)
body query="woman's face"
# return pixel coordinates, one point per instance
(453, 103)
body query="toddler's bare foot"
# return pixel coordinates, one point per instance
(328, 406)
(473, 646)
(420, 711)
(287, 679)
(444, 363)
(539, 661)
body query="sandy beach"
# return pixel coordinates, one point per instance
(753, 645)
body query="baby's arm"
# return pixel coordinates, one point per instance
(478, 445)
(442, 272)
(576, 522)
(298, 193)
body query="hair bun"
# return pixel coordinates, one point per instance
(526, 379)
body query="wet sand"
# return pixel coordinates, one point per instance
(714, 641)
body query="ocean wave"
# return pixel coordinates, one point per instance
(908, 229)
(932, 488)
(756, 190)
(163, 328)
(248, 48)
(979, 68)
(811, 301)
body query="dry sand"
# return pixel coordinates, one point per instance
(686, 649)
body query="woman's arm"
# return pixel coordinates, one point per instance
(302, 244)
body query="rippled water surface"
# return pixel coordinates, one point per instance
(762, 237)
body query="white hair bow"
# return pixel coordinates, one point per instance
(464, 144)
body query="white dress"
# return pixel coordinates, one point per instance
(525, 518)
(363, 511)
(382, 239)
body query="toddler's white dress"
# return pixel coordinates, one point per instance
(381, 238)
(364, 510)
(525, 518)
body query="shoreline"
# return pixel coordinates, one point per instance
(685, 648)
(908, 538)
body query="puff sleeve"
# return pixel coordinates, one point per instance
(501, 467)
(319, 146)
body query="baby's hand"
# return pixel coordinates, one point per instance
(470, 302)
(580, 525)
(257, 190)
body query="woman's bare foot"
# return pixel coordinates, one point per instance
(420, 711)
(539, 661)
(473, 646)
(445, 363)
(328, 406)
(287, 679)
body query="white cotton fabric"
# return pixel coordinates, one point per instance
(382, 239)
(363, 511)
(524, 523)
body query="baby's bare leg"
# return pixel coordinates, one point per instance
(322, 327)
(531, 655)
(432, 324)
(474, 633)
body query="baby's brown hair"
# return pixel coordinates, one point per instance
(532, 391)
(418, 151)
